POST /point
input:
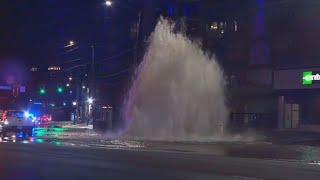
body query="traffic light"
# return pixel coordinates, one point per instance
(42, 91)
(64, 104)
(60, 90)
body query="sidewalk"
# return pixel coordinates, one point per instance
(293, 136)
(280, 137)
(70, 125)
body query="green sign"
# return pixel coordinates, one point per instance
(308, 77)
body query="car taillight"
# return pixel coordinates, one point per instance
(4, 116)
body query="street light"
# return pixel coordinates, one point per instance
(139, 24)
(74, 103)
(71, 43)
(109, 3)
(83, 87)
(68, 85)
(70, 78)
(90, 100)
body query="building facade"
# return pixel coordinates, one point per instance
(264, 46)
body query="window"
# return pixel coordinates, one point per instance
(15, 113)
(53, 68)
(170, 10)
(214, 26)
(135, 30)
(235, 26)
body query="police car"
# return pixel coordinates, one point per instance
(17, 121)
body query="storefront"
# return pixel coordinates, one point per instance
(298, 92)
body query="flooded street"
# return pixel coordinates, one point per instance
(83, 137)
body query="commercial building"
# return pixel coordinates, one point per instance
(288, 63)
(268, 49)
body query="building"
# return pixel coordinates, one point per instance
(283, 64)
(294, 60)
(268, 50)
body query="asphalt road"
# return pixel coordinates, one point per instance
(47, 161)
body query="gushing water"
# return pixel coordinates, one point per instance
(178, 91)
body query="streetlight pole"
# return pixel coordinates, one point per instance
(92, 87)
(92, 72)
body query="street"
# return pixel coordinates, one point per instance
(68, 154)
(170, 89)
(51, 162)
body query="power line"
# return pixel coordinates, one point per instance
(115, 74)
(113, 84)
(115, 56)
(78, 59)
(73, 67)
(101, 61)
(69, 51)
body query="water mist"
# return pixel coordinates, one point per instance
(178, 91)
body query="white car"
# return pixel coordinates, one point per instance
(17, 121)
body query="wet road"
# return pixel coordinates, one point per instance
(45, 161)
(256, 149)
(75, 153)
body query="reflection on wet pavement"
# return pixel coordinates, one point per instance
(59, 136)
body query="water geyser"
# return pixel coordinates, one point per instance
(177, 92)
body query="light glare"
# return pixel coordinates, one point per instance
(108, 3)
(90, 100)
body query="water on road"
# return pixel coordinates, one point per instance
(81, 137)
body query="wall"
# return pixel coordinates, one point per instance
(292, 79)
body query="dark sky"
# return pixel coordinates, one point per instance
(36, 30)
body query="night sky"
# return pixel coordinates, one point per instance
(35, 31)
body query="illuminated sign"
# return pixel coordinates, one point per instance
(308, 77)
(54, 68)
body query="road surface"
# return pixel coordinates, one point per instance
(75, 153)
(47, 161)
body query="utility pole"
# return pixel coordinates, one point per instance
(78, 101)
(92, 72)
(92, 87)
(136, 46)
